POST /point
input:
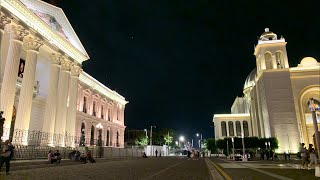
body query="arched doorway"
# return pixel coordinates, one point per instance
(118, 144)
(99, 137)
(92, 136)
(108, 138)
(83, 135)
(306, 122)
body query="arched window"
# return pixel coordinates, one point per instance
(92, 136)
(108, 138)
(279, 59)
(245, 128)
(223, 129)
(231, 128)
(83, 135)
(268, 60)
(118, 143)
(238, 128)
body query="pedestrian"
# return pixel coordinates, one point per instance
(156, 153)
(262, 154)
(5, 156)
(57, 156)
(313, 156)
(271, 154)
(304, 156)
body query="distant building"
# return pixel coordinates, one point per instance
(275, 98)
(46, 97)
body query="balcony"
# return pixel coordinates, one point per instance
(35, 86)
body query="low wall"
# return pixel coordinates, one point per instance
(41, 152)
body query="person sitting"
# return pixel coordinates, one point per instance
(83, 158)
(90, 158)
(57, 156)
(144, 155)
(51, 157)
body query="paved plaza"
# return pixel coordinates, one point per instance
(160, 168)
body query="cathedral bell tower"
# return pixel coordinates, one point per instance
(271, 52)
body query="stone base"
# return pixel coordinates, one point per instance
(317, 171)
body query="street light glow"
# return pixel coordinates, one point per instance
(197, 134)
(181, 138)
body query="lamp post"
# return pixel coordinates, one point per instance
(314, 105)
(227, 148)
(232, 139)
(244, 158)
(181, 139)
(200, 141)
(99, 127)
(145, 130)
(151, 150)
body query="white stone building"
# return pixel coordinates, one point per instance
(44, 91)
(275, 98)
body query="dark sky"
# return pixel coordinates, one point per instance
(177, 61)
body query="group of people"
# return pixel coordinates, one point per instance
(7, 152)
(193, 154)
(54, 157)
(82, 157)
(268, 154)
(308, 156)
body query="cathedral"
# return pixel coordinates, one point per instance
(46, 97)
(275, 97)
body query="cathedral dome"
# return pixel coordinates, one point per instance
(251, 79)
(308, 62)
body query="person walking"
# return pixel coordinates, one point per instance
(156, 153)
(313, 156)
(304, 156)
(5, 156)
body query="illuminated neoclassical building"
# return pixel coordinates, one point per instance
(275, 98)
(46, 97)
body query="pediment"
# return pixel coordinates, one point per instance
(56, 19)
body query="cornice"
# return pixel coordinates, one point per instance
(25, 15)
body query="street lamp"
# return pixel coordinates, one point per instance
(151, 147)
(181, 139)
(314, 106)
(200, 141)
(145, 130)
(99, 127)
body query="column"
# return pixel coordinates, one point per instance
(4, 20)
(227, 126)
(52, 100)
(26, 93)
(241, 125)
(72, 109)
(8, 87)
(61, 114)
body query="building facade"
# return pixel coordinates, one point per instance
(46, 97)
(275, 95)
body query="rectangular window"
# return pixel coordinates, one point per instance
(94, 108)
(84, 104)
(102, 112)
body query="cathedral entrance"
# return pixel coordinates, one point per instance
(306, 122)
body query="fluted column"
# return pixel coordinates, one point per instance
(4, 20)
(8, 87)
(61, 114)
(72, 109)
(51, 103)
(26, 92)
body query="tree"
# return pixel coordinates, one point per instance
(168, 139)
(141, 141)
(211, 144)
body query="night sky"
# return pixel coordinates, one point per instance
(178, 62)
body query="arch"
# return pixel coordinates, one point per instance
(118, 138)
(223, 129)
(268, 59)
(92, 135)
(231, 128)
(238, 128)
(82, 134)
(245, 128)
(280, 60)
(305, 94)
(108, 137)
